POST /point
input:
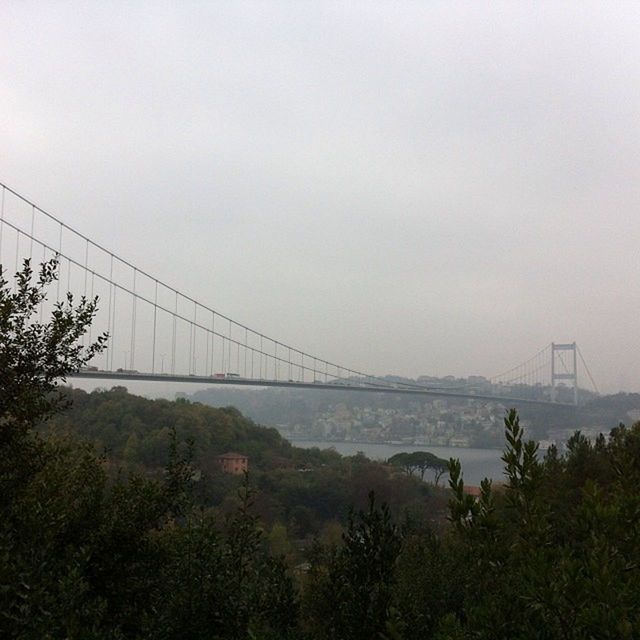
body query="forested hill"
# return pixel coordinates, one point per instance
(301, 490)
(133, 429)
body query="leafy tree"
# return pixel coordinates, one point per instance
(48, 492)
(220, 582)
(351, 591)
(35, 355)
(83, 557)
(403, 461)
(420, 461)
(550, 555)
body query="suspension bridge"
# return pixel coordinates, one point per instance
(156, 332)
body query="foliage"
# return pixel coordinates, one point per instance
(78, 555)
(35, 355)
(300, 488)
(420, 461)
(351, 591)
(220, 582)
(553, 556)
(86, 556)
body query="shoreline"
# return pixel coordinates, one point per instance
(294, 441)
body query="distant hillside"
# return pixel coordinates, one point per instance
(304, 489)
(610, 410)
(131, 428)
(290, 407)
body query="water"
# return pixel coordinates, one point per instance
(476, 463)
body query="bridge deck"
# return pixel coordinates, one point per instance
(251, 382)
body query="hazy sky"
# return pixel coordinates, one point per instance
(410, 188)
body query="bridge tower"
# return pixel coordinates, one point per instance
(563, 371)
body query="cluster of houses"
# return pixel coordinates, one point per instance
(439, 422)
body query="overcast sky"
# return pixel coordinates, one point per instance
(411, 188)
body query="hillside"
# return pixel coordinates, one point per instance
(304, 490)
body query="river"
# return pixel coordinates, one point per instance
(476, 463)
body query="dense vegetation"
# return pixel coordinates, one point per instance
(300, 492)
(134, 542)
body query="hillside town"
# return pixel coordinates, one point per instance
(440, 422)
(346, 416)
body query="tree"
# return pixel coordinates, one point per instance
(402, 460)
(350, 596)
(221, 583)
(35, 355)
(83, 556)
(52, 506)
(554, 553)
(420, 461)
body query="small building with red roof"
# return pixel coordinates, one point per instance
(234, 463)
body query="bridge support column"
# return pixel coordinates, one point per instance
(563, 371)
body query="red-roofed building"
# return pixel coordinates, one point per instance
(235, 463)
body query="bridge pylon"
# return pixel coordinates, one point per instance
(563, 371)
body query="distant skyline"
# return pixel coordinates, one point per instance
(415, 189)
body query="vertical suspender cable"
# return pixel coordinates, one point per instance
(191, 339)
(213, 340)
(133, 322)
(208, 336)
(155, 319)
(195, 336)
(68, 275)
(113, 325)
(15, 282)
(86, 266)
(109, 336)
(33, 222)
(86, 273)
(59, 269)
(173, 341)
(91, 296)
(44, 258)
